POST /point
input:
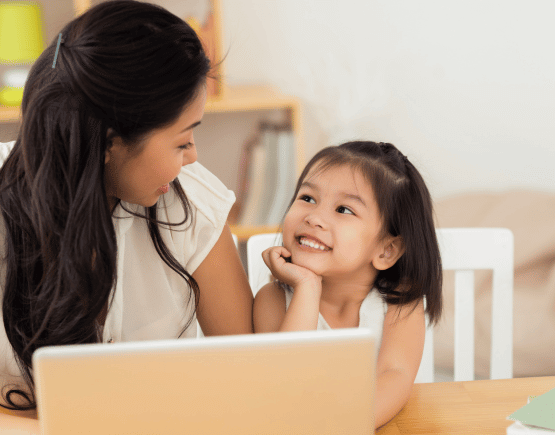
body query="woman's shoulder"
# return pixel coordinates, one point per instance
(199, 179)
(206, 192)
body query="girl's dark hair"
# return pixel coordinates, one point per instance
(124, 65)
(406, 210)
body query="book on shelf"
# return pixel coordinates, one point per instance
(267, 177)
(254, 186)
(536, 417)
(286, 177)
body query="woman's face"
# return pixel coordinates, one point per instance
(141, 177)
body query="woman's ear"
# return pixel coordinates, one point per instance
(113, 141)
(392, 249)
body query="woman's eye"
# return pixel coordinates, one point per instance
(186, 146)
(344, 210)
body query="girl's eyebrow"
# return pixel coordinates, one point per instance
(353, 197)
(309, 185)
(342, 194)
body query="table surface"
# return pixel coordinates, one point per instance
(471, 407)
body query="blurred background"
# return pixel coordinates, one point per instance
(465, 89)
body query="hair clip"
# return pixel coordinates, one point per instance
(57, 49)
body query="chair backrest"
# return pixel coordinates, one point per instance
(463, 250)
(257, 271)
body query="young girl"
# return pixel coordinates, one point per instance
(109, 229)
(359, 249)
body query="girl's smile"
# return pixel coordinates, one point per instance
(308, 242)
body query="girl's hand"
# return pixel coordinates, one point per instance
(287, 272)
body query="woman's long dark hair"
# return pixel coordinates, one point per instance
(127, 66)
(406, 209)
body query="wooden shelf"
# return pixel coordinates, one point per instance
(9, 114)
(250, 98)
(234, 99)
(243, 232)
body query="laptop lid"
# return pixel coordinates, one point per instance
(319, 382)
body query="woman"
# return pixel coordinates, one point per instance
(110, 230)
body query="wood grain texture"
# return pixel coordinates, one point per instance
(469, 407)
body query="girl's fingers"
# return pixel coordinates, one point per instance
(275, 259)
(272, 256)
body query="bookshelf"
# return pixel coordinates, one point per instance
(258, 99)
(9, 114)
(236, 100)
(232, 100)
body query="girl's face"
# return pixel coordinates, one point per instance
(333, 226)
(140, 178)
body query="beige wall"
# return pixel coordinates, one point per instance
(465, 89)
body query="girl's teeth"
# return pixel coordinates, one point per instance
(312, 244)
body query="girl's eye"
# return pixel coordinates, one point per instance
(344, 210)
(186, 146)
(307, 198)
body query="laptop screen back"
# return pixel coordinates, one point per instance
(319, 382)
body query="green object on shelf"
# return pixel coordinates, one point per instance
(10, 96)
(21, 43)
(21, 35)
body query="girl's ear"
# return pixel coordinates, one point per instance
(392, 249)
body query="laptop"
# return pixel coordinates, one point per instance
(313, 382)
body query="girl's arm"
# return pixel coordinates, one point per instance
(399, 359)
(269, 305)
(225, 305)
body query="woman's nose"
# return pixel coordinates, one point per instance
(189, 156)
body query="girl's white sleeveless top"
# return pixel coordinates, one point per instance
(371, 314)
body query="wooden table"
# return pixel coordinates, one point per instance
(471, 407)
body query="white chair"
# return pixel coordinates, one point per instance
(463, 250)
(257, 271)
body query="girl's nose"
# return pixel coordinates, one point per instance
(315, 220)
